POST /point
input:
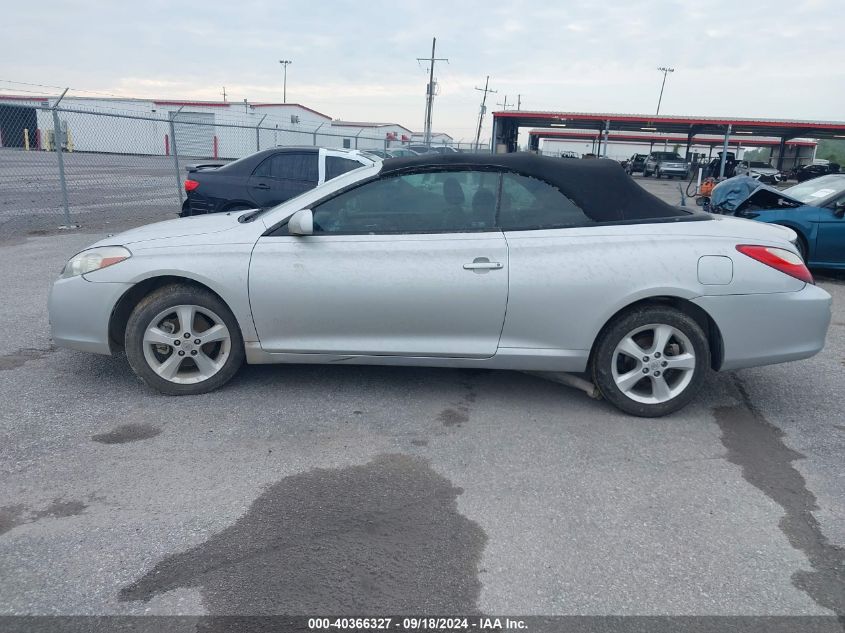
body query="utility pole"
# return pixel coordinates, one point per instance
(224, 94)
(504, 104)
(429, 91)
(665, 70)
(284, 63)
(519, 102)
(481, 112)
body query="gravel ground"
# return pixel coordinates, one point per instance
(367, 490)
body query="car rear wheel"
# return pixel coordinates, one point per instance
(183, 340)
(651, 361)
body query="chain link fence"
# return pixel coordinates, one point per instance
(68, 165)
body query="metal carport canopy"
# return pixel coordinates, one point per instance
(789, 128)
(646, 138)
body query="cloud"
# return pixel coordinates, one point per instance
(358, 60)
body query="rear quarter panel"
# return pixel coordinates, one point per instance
(565, 284)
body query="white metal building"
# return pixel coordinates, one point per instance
(210, 129)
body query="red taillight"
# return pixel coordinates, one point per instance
(778, 258)
(190, 185)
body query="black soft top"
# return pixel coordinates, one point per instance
(600, 187)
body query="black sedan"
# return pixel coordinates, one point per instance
(814, 171)
(266, 178)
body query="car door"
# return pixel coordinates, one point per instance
(830, 238)
(282, 176)
(558, 286)
(409, 265)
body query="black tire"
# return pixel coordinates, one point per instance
(619, 328)
(186, 209)
(161, 300)
(646, 173)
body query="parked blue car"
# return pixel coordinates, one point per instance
(814, 209)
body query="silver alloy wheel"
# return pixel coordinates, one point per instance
(653, 363)
(186, 344)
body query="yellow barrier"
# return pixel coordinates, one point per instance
(26, 139)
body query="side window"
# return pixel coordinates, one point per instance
(289, 166)
(427, 202)
(530, 203)
(335, 166)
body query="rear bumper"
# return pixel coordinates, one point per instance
(765, 329)
(80, 311)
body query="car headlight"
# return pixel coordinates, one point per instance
(94, 259)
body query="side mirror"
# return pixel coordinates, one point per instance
(839, 209)
(301, 223)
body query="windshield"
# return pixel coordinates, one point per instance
(817, 190)
(666, 156)
(755, 163)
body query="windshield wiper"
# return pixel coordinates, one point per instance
(250, 215)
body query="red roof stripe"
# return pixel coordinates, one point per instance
(205, 104)
(686, 120)
(697, 140)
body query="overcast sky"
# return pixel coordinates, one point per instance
(357, 60)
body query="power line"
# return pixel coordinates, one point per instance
(429, 91)
(483, 109)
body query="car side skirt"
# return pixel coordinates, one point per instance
(505, 358)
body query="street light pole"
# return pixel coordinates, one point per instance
(284, 63)
(665, 71)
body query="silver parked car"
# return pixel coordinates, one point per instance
(665, 164)
(497, 261)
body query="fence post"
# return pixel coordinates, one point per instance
(258, 134)
(315, 133)
(57, 144)
(176, 155)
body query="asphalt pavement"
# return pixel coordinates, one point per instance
(367, 490)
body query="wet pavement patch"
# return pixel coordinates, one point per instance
(459, 413)
(767, 463)
(127, 433)
(22, 356)
(384, 537)
(16, 515)
(11, 517)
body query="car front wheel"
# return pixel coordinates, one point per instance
(183, 340)
(651, 361)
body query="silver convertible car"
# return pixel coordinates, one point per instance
(494, 261)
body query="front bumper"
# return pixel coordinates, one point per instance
(765, 329)
(80, 311)
(673, 171)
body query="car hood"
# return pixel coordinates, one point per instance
(180, 227)
(743, 193)
(763, 170)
